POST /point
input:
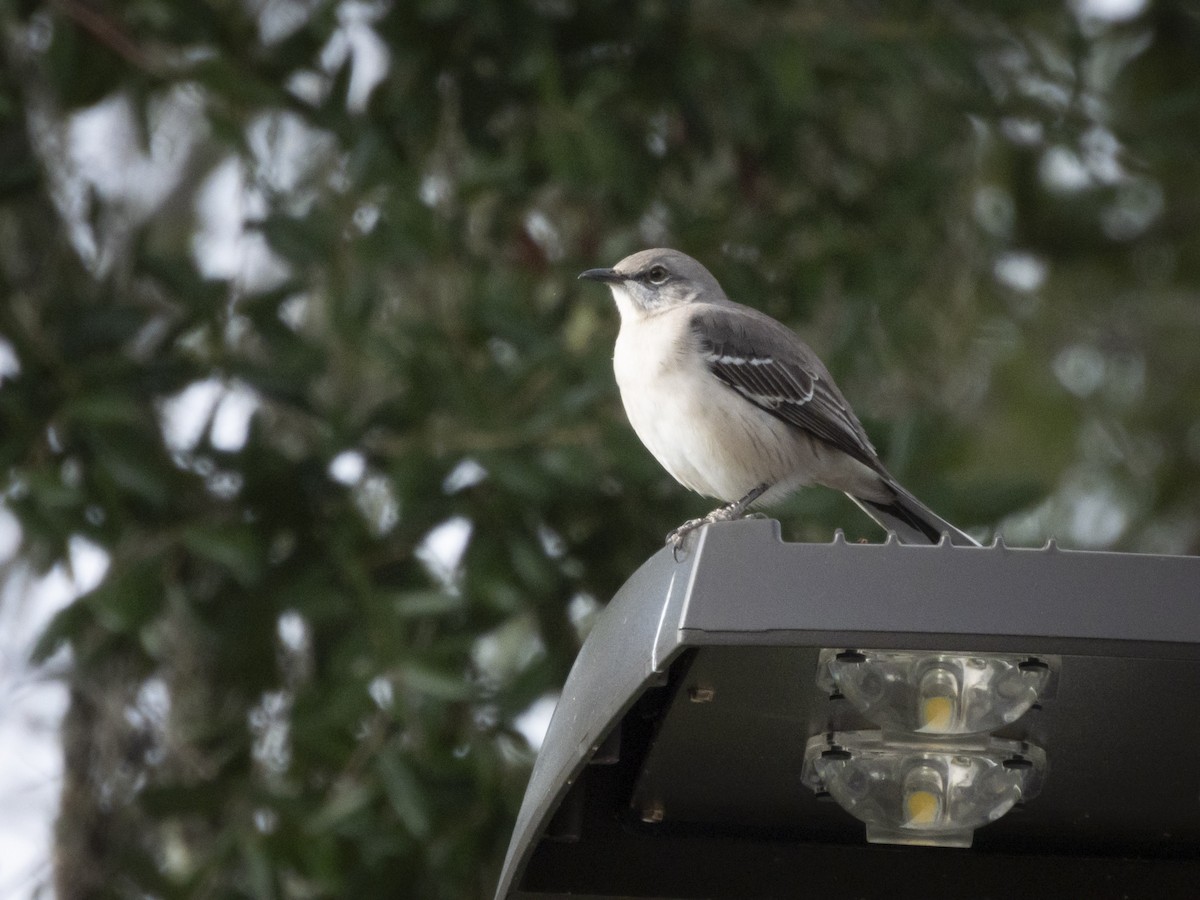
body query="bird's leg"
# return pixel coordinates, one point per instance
(738, 508)
(727, 513)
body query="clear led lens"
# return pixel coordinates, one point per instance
(914, 791)
(936, 693)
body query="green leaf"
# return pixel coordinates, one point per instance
(134, 470)
(413, 604)
(404, 792)
(258, 862)
(127, 599)
(106, 408)
(433, 682)
(347, 800)
(239, 549)
(67, 625)
(48, 492)
(123, 602)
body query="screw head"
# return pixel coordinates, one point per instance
(653, 814)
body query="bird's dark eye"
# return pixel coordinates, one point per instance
(657, 274)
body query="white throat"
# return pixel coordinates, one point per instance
(630, 311)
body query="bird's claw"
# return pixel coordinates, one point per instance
(677, 537)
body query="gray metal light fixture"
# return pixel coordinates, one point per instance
(736, 717)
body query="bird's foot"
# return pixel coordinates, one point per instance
(735, 510)
(724, 514)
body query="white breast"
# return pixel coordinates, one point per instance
(708, 437)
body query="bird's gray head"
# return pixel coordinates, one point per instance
(654, 280)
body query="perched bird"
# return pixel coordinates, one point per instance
(735, 406)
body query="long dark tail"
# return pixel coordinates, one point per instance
(911, 520)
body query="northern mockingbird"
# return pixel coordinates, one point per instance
(735, 406)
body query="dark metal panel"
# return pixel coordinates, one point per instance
(747, 580)
(701, 867)
(731, 763)
(613, 668)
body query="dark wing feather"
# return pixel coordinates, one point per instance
(768, 365)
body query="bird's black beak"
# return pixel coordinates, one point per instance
(608, 276)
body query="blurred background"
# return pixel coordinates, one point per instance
(314, 474)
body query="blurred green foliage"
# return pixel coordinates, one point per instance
(359, 223)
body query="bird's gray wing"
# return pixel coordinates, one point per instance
(768, 365)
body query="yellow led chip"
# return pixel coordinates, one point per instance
(937, 714)
(921, 808)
